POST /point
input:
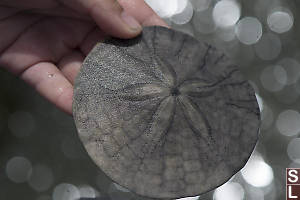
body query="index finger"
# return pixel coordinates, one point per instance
(108, 15)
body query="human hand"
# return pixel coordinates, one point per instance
(45, 42)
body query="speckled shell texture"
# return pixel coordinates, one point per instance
(165, 115)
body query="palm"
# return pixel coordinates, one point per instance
(47, 50)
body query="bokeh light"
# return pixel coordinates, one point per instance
(288, 122)
(226, 13)
(292, 68)
(280, 20)
(257, 173)
(280, 74)
(229, 191)
(165, 8)
(169, 8)
(65, 191)
(41, 178)
(248, 30)
(184, 16)
(87, 191)
(18, 169)
(273, 78)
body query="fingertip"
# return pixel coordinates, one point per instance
(133, 25)
(65, 101)
(70, 65)
(48, 80)
(116, 22)
(154, 20)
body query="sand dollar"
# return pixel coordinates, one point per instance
(164, 114)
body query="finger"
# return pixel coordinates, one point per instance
(70, 65)
(91, 40)
(60, 11)
(109, 16)
(142, 12)
(48, 40)
(50, 82)
(12, 27)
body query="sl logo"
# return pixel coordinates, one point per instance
(292, 184)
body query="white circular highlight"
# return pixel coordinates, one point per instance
(41, 178)
(292, 68)
(87, 191)
(229, 191)
(166, 8)
(268, 47)
(280, 74)
(248, 30)
(257, 173)
(293, 150)
(226, 13)
(18, 169)
(280, 21)
(183, 16)
(65, 191)
(21, 124)
(273, 78)
(288, 122)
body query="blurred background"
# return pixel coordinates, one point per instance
(41, 157)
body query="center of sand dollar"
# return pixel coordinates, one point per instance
(175, 91)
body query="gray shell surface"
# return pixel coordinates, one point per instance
(165, 115)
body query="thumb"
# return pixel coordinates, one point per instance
(108, 15)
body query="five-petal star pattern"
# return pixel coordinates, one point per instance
(165, 115)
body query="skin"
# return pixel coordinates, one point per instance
(45, 42)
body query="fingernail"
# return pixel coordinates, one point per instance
(130, 21)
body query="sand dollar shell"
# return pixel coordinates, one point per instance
(165, 115)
